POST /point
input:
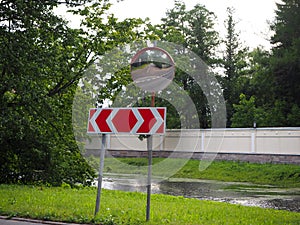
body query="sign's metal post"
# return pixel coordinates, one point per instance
(100, 176)
(149, 148)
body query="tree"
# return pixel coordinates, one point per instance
(234, 63)
(246, 113)
(294, 116)
(41, 62)
(285, 59)
(194, 30)
(262, 84)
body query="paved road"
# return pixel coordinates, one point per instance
(152, 78)
(14, 222)
(19, 221)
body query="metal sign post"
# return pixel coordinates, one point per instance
(100, 176)
(149, 148)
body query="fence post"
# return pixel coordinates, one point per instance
(253, 139)
(202, 141)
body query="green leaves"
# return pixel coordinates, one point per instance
(193, 30)
(275, 80)
(286, 53)
(41, 62)
(245, 112)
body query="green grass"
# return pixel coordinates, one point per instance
(281, 175)
(77, 205)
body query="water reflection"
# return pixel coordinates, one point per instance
(232, 192)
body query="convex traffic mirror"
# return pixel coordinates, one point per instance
(152, 69)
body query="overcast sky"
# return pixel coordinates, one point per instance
(252, 16)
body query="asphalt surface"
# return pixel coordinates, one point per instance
(152, 78)
(21, 221)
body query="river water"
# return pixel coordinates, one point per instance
(246, 194)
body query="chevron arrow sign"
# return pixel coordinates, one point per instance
(150, 120)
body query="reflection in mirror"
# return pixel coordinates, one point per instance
(152, 69)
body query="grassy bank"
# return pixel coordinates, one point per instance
(282, 175)
(77, 205)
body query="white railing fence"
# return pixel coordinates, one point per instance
(284, 141)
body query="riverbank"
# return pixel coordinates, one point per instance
(281, 175)
(246, 194)
(77, 205)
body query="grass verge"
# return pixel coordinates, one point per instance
(77, 205)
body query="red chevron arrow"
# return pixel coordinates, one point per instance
(161, 129)
(124, 120)
(101, 120)
(149, 120)
(90, 126)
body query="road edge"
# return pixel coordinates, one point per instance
(36, 221)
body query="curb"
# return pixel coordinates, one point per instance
(37, 221)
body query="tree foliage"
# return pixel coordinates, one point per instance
(275, 75)
(234, 63)
(286, 54)
(193, 30)
(42, 60)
